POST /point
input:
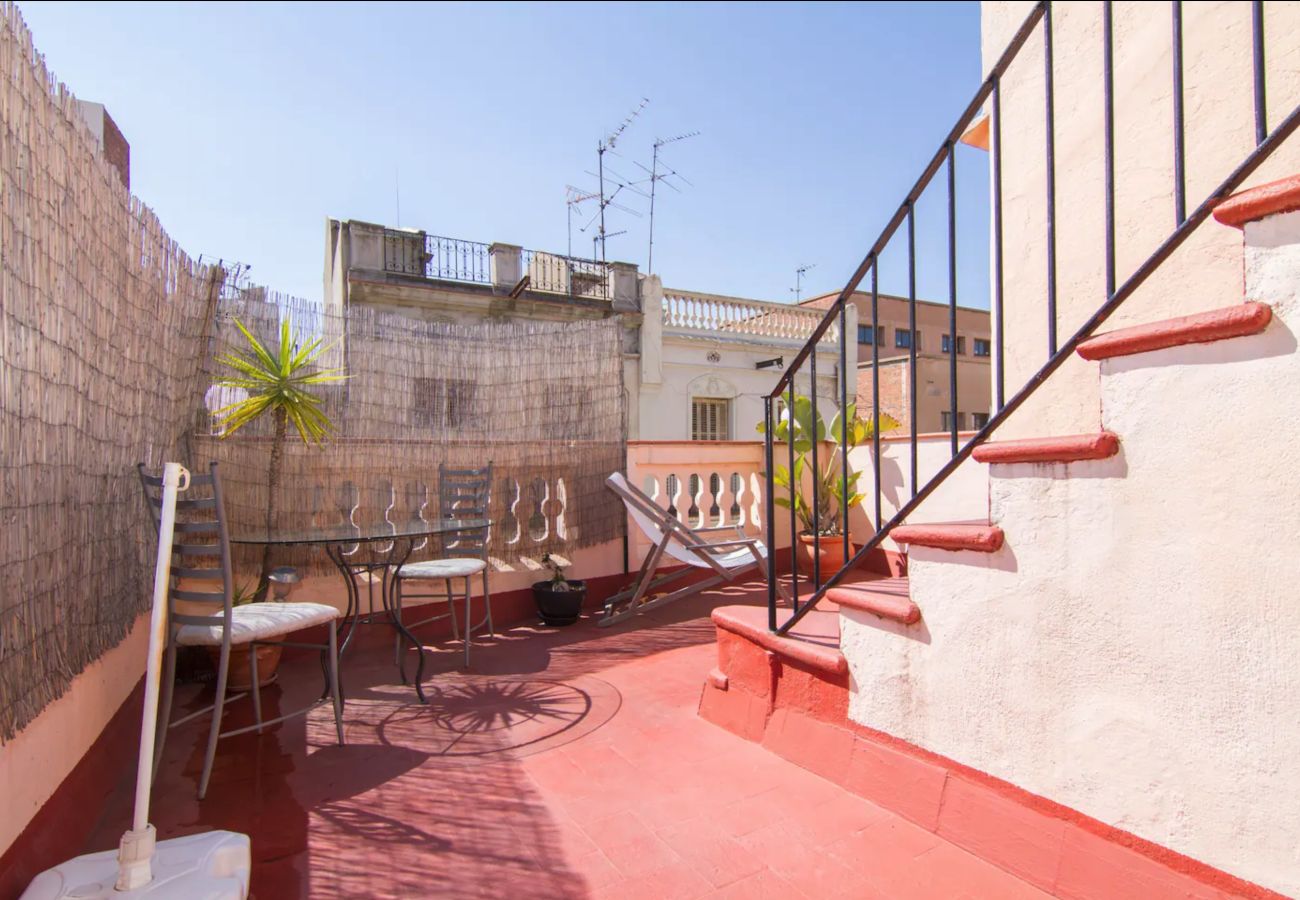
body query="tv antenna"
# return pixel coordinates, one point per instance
(655, 178)
(799, 273)
(606, 144)
(573, 199)
(595, 238)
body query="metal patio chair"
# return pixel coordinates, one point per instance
(728, 559)
(201, 553)
(462, 494)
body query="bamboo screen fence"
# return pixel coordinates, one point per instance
(101, 317)
(102, 320)
(543, 402)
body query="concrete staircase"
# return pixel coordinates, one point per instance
(863, 690)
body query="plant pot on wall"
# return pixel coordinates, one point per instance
(559, 607)
(830, 550)
(240, 676)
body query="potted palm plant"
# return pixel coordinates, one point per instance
(847, 430)
(277, 384)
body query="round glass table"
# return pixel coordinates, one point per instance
(359, 549)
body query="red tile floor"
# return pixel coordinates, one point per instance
(568, 763)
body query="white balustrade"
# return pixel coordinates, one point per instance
(725, 315)
(704, 485)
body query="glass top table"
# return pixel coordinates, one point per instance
(344, 533)
(366, 549)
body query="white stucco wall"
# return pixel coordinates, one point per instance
(687, 371)
(1219, 126)
(963, 496)
(1133, 652)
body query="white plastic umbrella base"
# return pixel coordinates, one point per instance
(214, 865)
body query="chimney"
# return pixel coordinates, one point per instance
(112, 145)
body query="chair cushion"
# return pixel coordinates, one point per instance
(257, 622)
(442, 568)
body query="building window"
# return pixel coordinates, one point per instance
(903, 338)
(979, 420)
(946, 343)
(710, 419)
(442, 403)
(945, 418)
(864, 333)
(982, 347)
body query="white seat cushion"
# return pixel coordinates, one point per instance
(443, 568)
(257, 622)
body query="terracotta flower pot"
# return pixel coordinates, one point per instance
(830, 551)
(240, 676)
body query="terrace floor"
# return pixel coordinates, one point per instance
(570, 763)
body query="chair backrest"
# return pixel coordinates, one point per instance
(654, 521)
(200, 547)
(465, 494)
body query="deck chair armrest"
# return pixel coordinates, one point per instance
(713, 528)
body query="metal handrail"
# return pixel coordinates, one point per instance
(1266, 143)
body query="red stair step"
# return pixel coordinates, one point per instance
(1201, 328)
(1067, 448)
(888, 598)
(814, 641)
(1255, 203)
(980, 538)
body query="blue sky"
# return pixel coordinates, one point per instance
(250, 124)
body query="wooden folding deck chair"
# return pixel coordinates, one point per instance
(729, 559)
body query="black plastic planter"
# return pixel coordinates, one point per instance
(559, 607)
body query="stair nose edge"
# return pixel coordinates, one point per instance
(894, 607)
(1065, 448)
(1242, 320)
(820, 657)
(979, 538)
(1269, 199)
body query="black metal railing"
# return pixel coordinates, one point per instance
(551, 273)
(1115, 294)
(431, 256)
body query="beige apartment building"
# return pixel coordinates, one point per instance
(696, 365)
(894, 341)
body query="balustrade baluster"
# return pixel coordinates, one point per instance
(560, 504)
(511, 529)
(716, 515)
(538, 525)
(694, 517)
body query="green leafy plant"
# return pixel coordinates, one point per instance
(243, 594)
(277, 384)
(558, 581)
(799, 426)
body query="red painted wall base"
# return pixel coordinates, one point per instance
(60, 828)
(802, 715)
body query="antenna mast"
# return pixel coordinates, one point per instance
(799, 273)
(655, 178)
(608, 144)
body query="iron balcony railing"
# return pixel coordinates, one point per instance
(451, 259)
(431, 256)
(904, 218)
